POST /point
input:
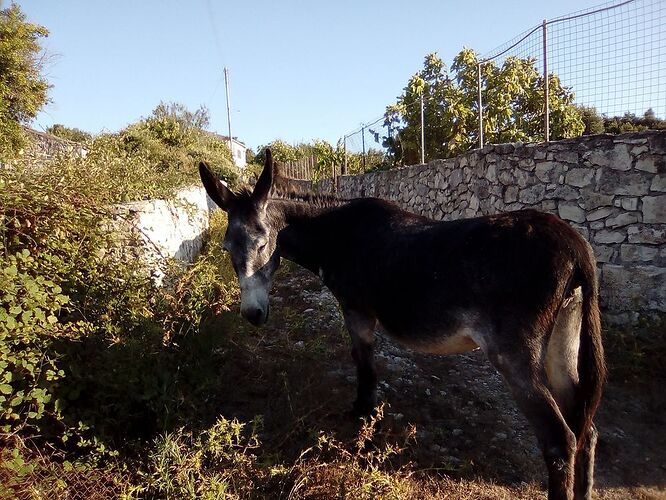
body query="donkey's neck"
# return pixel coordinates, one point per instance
(295, 220)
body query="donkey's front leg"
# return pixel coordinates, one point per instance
(361, 329)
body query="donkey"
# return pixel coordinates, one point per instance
(521, 286)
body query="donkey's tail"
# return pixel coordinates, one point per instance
(591, 364)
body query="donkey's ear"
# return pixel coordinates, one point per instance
(217, 191)
(263, 186)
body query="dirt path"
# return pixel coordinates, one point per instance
(298, 374)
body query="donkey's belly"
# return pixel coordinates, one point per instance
(455, 342)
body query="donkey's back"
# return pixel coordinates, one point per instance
(398, 265)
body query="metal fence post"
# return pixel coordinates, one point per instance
(546, 96)
(478, 82)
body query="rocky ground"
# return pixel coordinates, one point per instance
(297, 373)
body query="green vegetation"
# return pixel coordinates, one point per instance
(512, 101)
(68, 133)
(328, 157)
(23, 91)
(600, 124)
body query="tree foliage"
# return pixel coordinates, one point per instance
(23, 91)
(512, 97)
(69, 133)
(174, 140)
(328, 157)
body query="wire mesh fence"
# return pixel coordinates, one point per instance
(611, 59)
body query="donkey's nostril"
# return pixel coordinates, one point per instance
(254, 315)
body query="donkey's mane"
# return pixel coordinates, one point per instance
(283, 190)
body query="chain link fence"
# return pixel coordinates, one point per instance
(612, 57)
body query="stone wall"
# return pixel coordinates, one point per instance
(45, 147)
(156, 231)
(611, 188)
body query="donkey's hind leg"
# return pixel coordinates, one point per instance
(562, 370)
(361, 328)
(527, 382)
(585, 465)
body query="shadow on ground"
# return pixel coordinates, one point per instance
(297, 373)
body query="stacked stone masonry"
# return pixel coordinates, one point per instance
(611, 188)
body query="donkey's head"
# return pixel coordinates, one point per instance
(250, 238)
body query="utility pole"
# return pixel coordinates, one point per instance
(363, 143)
(422, 132)
(478, 84)
(344, 149)
(226, 85)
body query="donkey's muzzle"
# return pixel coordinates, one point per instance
(255, 315)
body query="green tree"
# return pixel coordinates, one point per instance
(512, 97)
(68, 133)
(173, 138)
(629, 122)
(23, 91)
(593, 121)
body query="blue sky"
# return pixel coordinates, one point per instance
(299, 70)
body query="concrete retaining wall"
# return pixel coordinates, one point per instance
(155, 231)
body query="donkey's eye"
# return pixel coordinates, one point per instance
(261, 248)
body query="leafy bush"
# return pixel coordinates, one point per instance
(67, 294)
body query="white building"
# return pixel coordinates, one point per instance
(238, 150)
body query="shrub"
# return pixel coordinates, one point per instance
(67, 295)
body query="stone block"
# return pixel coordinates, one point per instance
(625, 183)
(654, 209)
(532, 194)
(619, 158)
(566, 156)
(592, 200)
(596, 158)
(647, 163)
(563, 193)
(629, 203)
(491, 173)
(623, 219)
(599, 213)
(571, 211)
(658, 183)
(603, 253)
(646, 234)
(549, 205)
(522, 178)
(637, 253)
(606, 236)
(548, 171)
(506, 177)
(579, 177)
(456, 178)
(511, 194)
